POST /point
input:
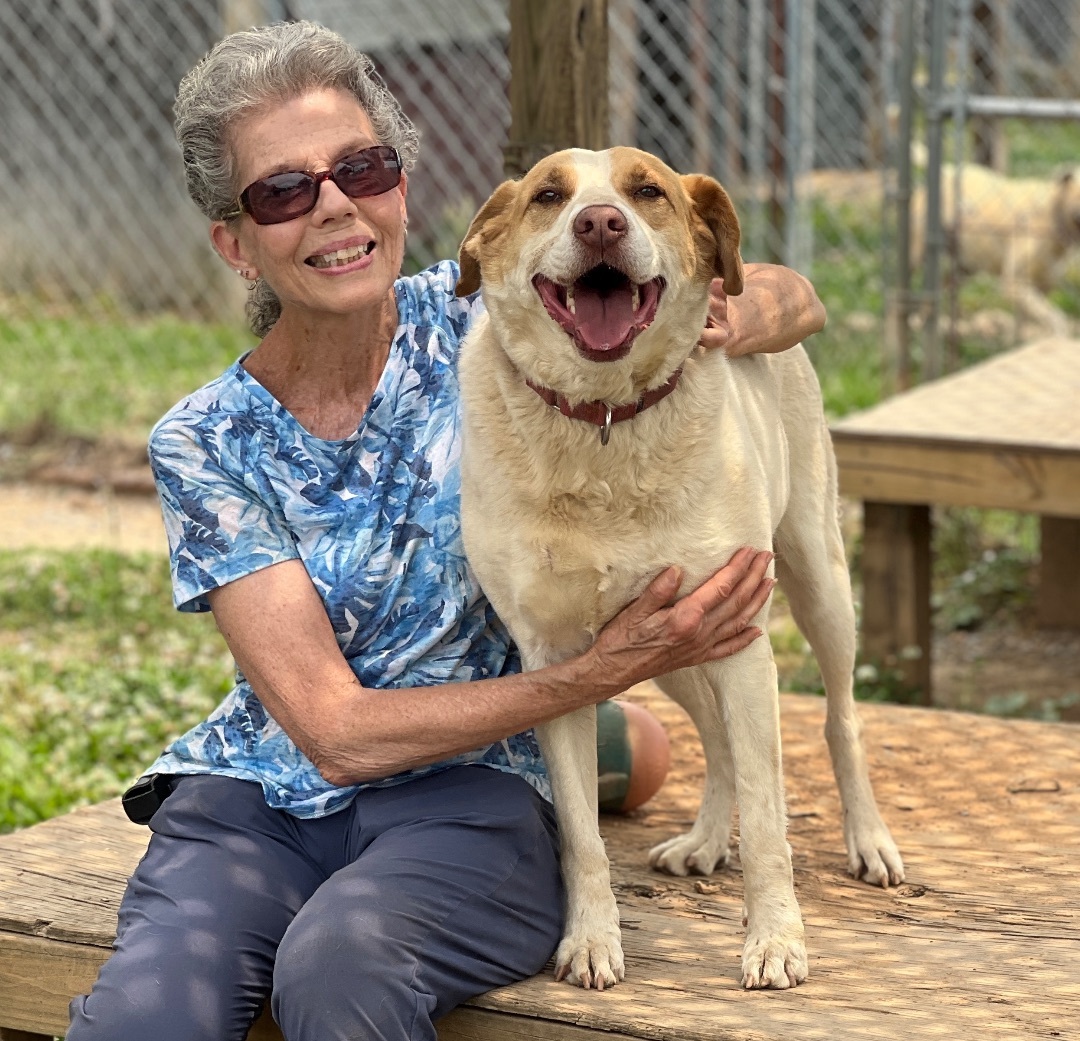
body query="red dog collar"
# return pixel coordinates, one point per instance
(600, 413)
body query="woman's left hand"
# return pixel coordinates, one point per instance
(777, 309)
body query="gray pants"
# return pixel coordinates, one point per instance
(370, 923)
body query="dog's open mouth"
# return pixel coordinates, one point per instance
(603, 311)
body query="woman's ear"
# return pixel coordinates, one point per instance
(228, 246)
(713, 206)
(484, 227)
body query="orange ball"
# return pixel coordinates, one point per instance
(633, 755)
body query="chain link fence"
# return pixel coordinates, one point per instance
(92, 204)
(987, 148)
(793, 105)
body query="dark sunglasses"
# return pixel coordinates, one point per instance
(286, 196)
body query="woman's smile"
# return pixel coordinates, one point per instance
(342, 258)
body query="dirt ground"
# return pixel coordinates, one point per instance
(72, 504)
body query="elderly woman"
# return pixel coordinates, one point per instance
(361, 831)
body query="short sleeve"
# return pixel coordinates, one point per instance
(461, 311)
(220, 525)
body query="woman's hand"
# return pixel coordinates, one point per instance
(653, 635)
(777, 309)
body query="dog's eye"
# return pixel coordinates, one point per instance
(548, 197)
(650, 191)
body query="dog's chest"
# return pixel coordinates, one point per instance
(579, 556)
(567, 589)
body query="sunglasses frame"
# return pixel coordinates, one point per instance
(387, 154)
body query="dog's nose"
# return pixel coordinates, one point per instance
(600, 226)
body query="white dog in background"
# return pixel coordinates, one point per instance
(595, 270)
(1016, 228)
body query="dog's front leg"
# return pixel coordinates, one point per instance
(705, 846)
(591, 949)
(774, 954)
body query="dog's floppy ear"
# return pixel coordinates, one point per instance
(481, 231)
(712, 205)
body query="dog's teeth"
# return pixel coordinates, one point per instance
(570, 306)
(635, 297)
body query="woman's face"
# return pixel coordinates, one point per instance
(311, 133)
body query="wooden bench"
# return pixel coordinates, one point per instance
(1004, 434)
(981, 941)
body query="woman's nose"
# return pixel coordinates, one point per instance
(333, 202)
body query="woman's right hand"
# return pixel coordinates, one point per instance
(655, 634)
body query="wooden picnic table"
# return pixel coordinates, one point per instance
(1002, 434)
(981, 941)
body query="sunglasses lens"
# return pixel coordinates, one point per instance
(286, 196)
(280, 198)
(370, 171)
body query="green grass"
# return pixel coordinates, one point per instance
(96, 378)
(1041, 147)
(97, 674)
(849, 356)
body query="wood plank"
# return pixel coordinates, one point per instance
(559, 53)
(1021, 399)
(1059, 573)
(981, 938)
(478, 1024)
(39, 977)
(912, 469)
(895, 568)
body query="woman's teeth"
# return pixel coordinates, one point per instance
(341, 257)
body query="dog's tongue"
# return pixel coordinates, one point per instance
(603, 321)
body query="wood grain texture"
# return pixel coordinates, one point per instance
(914, 470)
(558, 92)
(1022, 399)
(1059, 572)
(1004, 434)
(980, 939)
(1001, 435)
(895, 566)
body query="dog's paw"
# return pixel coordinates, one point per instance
(689, 855)
(777, 961)
(873, 856)
(591, 961)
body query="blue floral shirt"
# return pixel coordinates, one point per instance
(375, 520)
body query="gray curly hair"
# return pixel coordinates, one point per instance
(255, 67)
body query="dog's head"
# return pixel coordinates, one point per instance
(600, 261)
(1066, 207)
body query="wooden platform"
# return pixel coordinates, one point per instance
(981, 942)
(1004, 434)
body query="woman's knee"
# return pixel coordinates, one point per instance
(339, 974)
(151, 1006)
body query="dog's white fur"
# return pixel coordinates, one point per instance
(1016, 228)
(563, 532)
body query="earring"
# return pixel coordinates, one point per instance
(245, 274)
(405, 226)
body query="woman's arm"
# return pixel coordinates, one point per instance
(777, 309)
(277, 629)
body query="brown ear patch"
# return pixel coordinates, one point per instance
(484, 227)
(714, 209)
